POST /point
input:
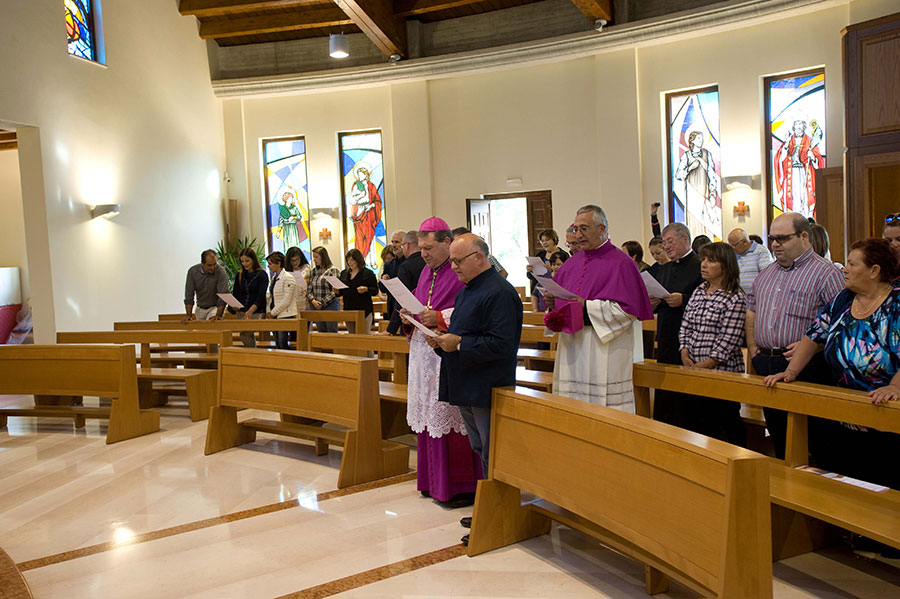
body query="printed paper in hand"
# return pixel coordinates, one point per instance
(231, 300)
(654, 289)
(555, 289)
(298, 276)
(335, 282)
(403, 295)
(537, 265)
(428, 332)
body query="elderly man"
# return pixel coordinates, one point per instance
(478, 351)
(205, 281)
(447, 468)
(572, 240)
(680, 276)
(408, 273)
(391, 268)
(752, 258)
(785, 299)
(891, 230)
(595, 352)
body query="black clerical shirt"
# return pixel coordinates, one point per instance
(677, 276)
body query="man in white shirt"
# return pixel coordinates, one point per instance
(752, 257)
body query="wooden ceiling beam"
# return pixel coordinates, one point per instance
(220, 8)
(8, 145)
(408, 8)
(7, 136)
(377, 20)
(311, 18)
(595, 9)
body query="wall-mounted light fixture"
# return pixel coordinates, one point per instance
(338, 45)
(107, 211)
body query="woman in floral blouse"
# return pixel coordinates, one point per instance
(712, 332)
(860, 332)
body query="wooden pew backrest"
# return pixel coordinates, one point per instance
(694, 508)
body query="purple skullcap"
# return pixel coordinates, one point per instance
(434, 224)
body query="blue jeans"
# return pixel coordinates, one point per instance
(329, 327)
(282, 339)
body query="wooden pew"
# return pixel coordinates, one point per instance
(690, 508)
(12, 583)
(537, 359)
(57, 375)
(199, 384)
(393, 392)
(875, 515)
(341, 390)
(355, 316)
(296, 325)
(533, 318)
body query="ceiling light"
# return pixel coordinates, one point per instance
(338, 46)
(599, 24)
(394, 59)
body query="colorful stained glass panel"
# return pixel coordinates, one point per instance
(80, 28)
(362, 187)
(287, 203)
(693, 156)
(795, 119)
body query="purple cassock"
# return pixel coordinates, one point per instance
(446, 464)
(605, 273)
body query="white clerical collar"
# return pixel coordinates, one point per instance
(685, 256)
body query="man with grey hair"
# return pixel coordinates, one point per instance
(391, 269)
(408, 273)
(596, 324)
(752, 257)
(680, 276)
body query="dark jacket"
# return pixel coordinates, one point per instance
(487, 315)
(250, 288)
(677, 276)
(408, 273)
(353, 299)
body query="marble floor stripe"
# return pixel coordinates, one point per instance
(206, 523)
(378, 574)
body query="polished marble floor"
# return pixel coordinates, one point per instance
(153, 517)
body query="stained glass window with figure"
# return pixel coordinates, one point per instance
(287, 203)
(80, 29)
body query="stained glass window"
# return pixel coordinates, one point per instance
(795, 144)
(695, 173)
(362, 187)
(80, 28)
(287, 213)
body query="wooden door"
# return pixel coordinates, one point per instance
(830, 209)
(539, 210)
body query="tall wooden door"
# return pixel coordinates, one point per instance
(539, 214)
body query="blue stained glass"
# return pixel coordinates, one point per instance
(694, 151)
(284, 173)
(80, 28)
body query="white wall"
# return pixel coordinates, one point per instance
(144, 132)
(12, 223)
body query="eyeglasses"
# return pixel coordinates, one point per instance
(583, 229)
(891, 219)
(458, 261)
(782, 238)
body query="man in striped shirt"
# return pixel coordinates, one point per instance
(786, 297)
(752, 257)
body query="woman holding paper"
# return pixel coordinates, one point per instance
(361, 286)
(298, 266)
(283, 295)
(319, 293)
(250, 290)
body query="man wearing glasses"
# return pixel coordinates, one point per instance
(786, 297)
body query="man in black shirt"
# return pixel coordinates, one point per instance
(680, 276)
(408, 273)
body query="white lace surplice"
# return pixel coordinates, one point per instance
(595, 364)
(423, 410)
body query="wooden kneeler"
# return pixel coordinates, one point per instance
(689, 508)
(340, 390)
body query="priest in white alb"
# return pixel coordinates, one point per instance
(597, 330)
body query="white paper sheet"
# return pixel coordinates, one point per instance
(654, 289)
(844, 479)
(298, 276)
(555, 289)
(335, 282)
(428, 332)
(537, 265)
(403, 295)
(231, 300)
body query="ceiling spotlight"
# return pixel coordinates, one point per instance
(394, 59)
(599, 24)
(338, 46)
